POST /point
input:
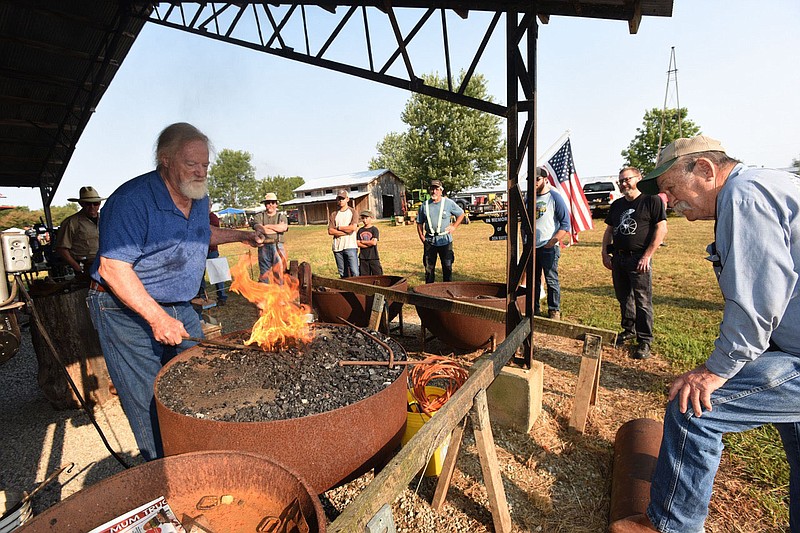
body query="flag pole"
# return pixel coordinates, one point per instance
(545, 155)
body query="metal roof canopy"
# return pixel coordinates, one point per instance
(57, 58)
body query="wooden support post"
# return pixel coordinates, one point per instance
(304, 276)
(479, 416)
(448, 467)
(377, 312)
(588, 381)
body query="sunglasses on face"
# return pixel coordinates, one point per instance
(340, 198)
(271, 202)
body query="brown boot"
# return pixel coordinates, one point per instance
(555, 315)
(638, 523)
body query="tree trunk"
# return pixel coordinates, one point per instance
(65, 318)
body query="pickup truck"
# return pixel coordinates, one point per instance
(600, 194)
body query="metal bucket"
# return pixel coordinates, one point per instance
(461, 331)
(355, 308)
(235, 492)
(326, 449)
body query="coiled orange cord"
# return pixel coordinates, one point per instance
(436, 367)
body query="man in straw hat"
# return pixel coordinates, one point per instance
(273, 225)
(752, 376)
(78, 236)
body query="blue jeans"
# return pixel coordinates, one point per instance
(269, 255)
(634, 291)
(222, 296)
(765, 391)
(446, 256)
(134, 358)
(347, 262)
(547, 262)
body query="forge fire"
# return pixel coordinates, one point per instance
(282, 321)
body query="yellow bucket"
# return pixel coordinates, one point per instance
(414, 422)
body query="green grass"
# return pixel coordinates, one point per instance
(686, 299)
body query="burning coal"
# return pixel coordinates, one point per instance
(282, 320)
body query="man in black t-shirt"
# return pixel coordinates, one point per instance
(369, 264)
(636, 226)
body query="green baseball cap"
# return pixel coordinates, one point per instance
(671, 153)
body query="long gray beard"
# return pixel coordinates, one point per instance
(194, 190)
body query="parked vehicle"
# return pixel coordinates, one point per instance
(292, 216)
(600, 194)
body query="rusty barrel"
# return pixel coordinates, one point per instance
(355, 308)
(258, 491)
(461, 331)
(635, 452)
(325, 449)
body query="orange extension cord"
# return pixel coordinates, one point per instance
(436, 367)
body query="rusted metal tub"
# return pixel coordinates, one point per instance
(260, 488)
(326, 449)
(355, 308)
(461, 331)
(635, 453)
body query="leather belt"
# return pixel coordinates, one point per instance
(99, 287)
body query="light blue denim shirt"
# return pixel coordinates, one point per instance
(758, 244)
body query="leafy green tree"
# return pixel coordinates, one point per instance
(460, 146)
(232, 179)
(280, 185)
(22, 216)
(642, 152)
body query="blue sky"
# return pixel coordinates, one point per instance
(737, 75)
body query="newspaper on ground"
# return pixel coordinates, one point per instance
(153, 517)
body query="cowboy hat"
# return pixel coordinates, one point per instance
(87, 194)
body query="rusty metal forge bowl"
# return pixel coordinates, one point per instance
(326, 449)
(260, 488)
(355, 308)
(461, 331)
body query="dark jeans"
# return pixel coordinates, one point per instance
(635, 296)
(369, 267)
(547, 262)
(445, 254)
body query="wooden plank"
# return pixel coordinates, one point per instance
(571, 331)
(376, 312)
(540, 324)
(448, 467)
(584, 390)
(489, 465)
(411, 298)
(394, 478)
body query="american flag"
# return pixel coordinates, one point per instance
(561, 173)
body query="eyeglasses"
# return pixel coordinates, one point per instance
(540, 178)
(271, 202)
(626, 180)
(340, 198)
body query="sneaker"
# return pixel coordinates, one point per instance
(221, 302)
(555, 315)
(642, 352)
(624, 336)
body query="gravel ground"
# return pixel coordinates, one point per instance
(37, 440)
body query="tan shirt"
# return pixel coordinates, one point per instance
(80, 236)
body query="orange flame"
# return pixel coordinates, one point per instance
(282, 320)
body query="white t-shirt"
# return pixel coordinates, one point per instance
(345, 218)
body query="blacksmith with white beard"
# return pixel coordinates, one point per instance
(752, 375)
(154, 237)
